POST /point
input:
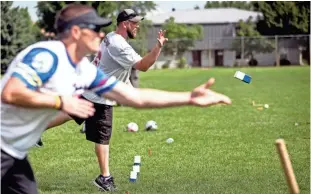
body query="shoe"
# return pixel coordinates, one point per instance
(39, 143)
(105, 184)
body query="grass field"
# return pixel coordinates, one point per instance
(221, 149)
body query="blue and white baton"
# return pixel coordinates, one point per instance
(242, 76)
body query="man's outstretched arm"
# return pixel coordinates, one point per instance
(152, 98)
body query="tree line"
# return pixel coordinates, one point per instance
(279, 18)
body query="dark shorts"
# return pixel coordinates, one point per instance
(16, 176)
(98, 128)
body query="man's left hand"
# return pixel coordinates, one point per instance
(161, 37)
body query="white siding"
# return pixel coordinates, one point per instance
(205, 62)
(265, 59)
(229, 58)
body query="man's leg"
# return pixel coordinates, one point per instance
(18, 176)
(102, 153)
(98, 130)
(60, 119)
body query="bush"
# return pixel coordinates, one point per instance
(166, 64)
(285, 62)
(182, 63)
(253, 62)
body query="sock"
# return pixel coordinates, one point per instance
(104, 177)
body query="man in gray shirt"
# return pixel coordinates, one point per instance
(116, 58)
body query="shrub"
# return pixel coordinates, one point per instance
(182, 63)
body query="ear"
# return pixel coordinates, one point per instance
(124, 24)
(75, 32)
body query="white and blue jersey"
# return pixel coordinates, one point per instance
(45, 67)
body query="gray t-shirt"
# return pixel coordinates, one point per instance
(116, 58)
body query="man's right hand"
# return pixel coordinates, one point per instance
(77, 107)
(203, 96)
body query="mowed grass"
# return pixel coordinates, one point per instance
(220, 149)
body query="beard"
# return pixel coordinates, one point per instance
(130, 34)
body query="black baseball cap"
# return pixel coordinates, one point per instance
(129, 14)
(88, 18)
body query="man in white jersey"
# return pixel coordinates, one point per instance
(45, 79)
(41, 81)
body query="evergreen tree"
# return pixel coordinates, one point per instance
(17, 32)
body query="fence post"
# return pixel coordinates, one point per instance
(209, 53)
(242, 48)
(277, 52)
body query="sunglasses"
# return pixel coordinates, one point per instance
(92, 27)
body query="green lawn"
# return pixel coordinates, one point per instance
(221, 149)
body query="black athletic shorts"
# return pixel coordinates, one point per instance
(16, 176)
(98, 128)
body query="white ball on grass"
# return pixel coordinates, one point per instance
(151, 125)
(266, 105)
(170, 140)
(132, 127)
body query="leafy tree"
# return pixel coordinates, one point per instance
(283, 17)
(286, 18)
(47, 10)
(17, 32)
(181, 37)
(253, 42)
(223, 4)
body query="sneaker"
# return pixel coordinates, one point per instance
(39, 144)
(105, 184)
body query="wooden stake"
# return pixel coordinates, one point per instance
(287, 166)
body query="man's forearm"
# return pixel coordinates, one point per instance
(147, 98)
(149, 59)
(16, 93)
(157, 98)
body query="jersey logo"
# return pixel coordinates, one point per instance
(78, 87)
(42, 62)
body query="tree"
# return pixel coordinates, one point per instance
(286, 18)
(47, 10)
(251, 41)
(283, 17)
(181, 37)
(17, 32)
(223, 4)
